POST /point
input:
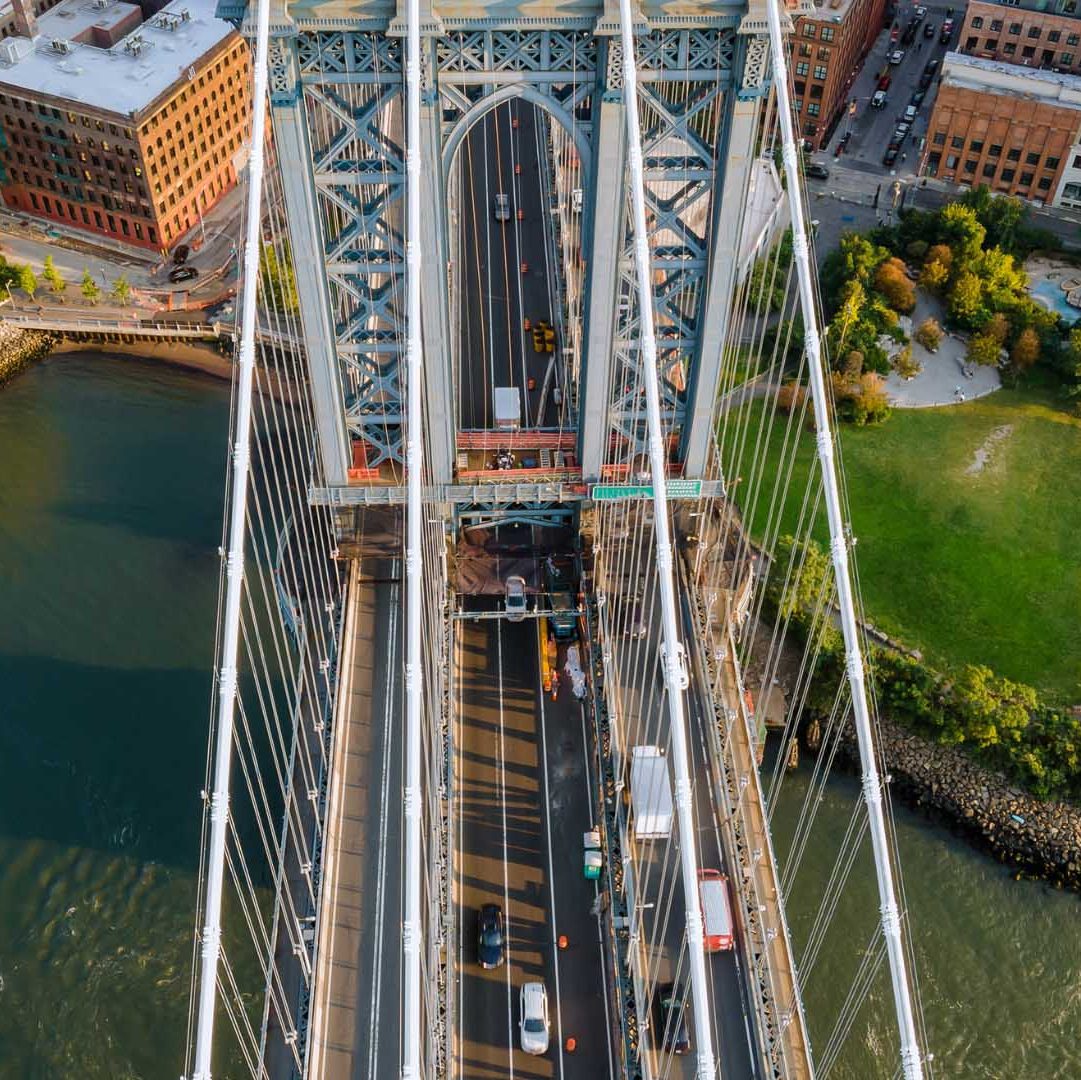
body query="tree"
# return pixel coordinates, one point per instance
(995, 711)
(1000, 215)
(892, 282)
(790, 397)
(121, 290)
(906, 364)
(966, 298)
(28, 281)
(941, 253)
(983, 349)
(929, 334)
(799, 577)
(853, 364)
(90, 288)
(998, 327)
(959, 227)
(855, 259)
(1026, 349)
(277, 278)
(52, 275)
(853, 297)
(873, 404)
(935, 274)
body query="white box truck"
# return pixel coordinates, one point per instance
(651, 793)
(508, 408)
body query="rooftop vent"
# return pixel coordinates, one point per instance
(59, 45)
(101, 5)
(134, 45)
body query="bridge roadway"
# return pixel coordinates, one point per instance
(493, 347)
(523, 799)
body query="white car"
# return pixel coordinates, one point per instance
(897, 56)
(515, 602)
(534, 1021)
(920, 12)
(501, 209)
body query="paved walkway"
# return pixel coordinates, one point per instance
(945, 378)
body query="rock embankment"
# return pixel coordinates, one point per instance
(21, 348)
(1042, 839)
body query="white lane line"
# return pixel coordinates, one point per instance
(551, 871)
(506, 875)
(384, 825)
(596, 900)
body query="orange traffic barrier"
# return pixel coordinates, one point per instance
(525, 268)
(521, 215)
(517, 169)
(571, 1044)
(514, 121)
(562, 941)
(526, 325)
(531, 383)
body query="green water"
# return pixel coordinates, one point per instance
(110, 510)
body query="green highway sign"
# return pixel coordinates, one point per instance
(677, 489)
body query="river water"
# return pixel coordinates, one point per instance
(110, 515)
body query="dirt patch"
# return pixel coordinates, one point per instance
(984, 452)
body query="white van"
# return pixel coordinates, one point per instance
(716, 910)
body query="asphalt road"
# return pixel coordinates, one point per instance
(661, 892)
(494, 348)
(522, 801)
(871, 129)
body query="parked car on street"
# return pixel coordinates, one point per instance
(910, 114)
(884, 82)
(920, 12)
(897, 56)
(890, 156)
(878, 99)
(929, 30)
(180, 255)
(930, 70)
(947, 32)
(182, 273)
(817, 171)
(917, 98)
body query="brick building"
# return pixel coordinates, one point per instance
(1017, 131)
(1033, 33)
(128, 120)
(828, 49)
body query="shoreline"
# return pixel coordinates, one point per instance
(1034, 838)
(191, 356)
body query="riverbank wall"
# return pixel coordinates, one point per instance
(204, 356)
(21, 348)
(1038, 839)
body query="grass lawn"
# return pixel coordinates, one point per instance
(970, 567)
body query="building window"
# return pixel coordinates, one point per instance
(1054, 35)
(1014, 154)
(809, 29)
(816, 93)
(996, 25)
(994, 150)
(802, 69)
(797, 104)
(823, 54)
(977, 146)
(1045, 183)
(951, 161)
(989, 171)
(1067, 59)
(972, 42)
(1009, 48)
(1051, 163)
(940, 138)
(957, 142)
(1034, 32)
(1015, 29)
(827, 33)
(1032, 159)
(933, 161)
(820, 72)
(1073, 39)
(1070, 191)
(977, 23)
(1007, 176)
(813, 108)
(1026, 178)
(804, 50)
(970, 166)
(1028, 52)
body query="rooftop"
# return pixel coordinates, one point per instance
(830, 10)
(1065, 8)
(1034, 83)
(99, 52)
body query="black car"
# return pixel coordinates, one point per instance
(670, 1020)
(182, 273)
(491, 941)
(929, 30)
(929, 72)
(890, 156)
(917, 98)
(816, 171)
(180, 256)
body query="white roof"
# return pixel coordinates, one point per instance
(126, 78)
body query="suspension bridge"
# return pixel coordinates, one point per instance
(513, 530)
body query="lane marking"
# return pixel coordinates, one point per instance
(551, 870)
(384, 825)
(506, 875)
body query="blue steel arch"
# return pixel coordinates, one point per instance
(497, 98)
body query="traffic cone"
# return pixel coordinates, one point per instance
(521, 215)
(561, 941)
(525, 268)
(571, 1044)
(517, 169)
(526, 324)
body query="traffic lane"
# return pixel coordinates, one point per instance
(583, 1012)
(501, 855)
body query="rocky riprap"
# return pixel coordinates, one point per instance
(21, 348)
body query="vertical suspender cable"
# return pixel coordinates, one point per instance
(911, 1059)
(673, 659)
(227, 674)
(414, 683)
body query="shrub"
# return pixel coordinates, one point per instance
(905, 364)
(892, 282)
(929, 334)
(790, 398)
(1026, 349)
(983, 349)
